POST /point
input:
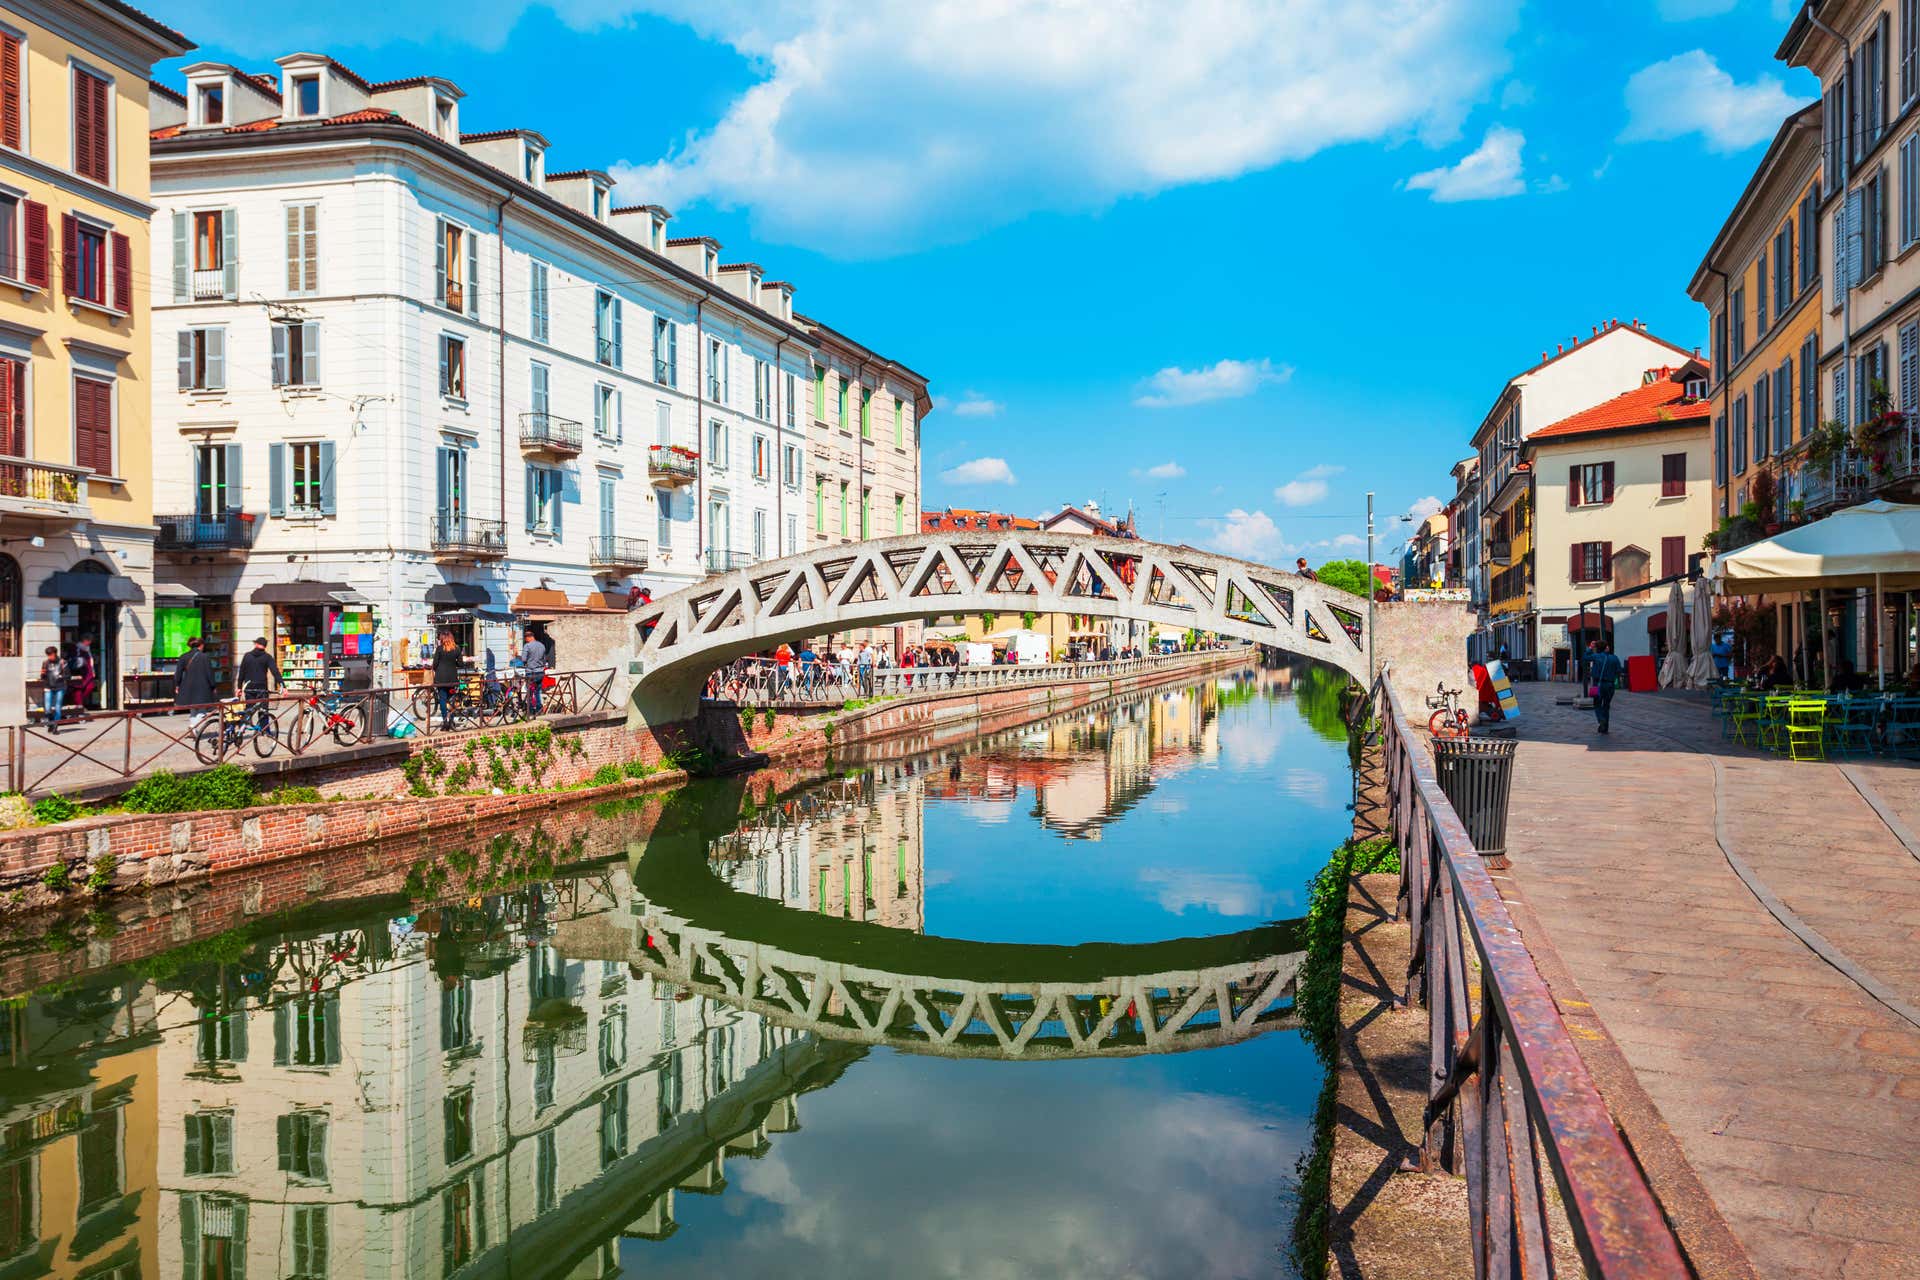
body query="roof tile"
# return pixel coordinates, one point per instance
(1660, 402)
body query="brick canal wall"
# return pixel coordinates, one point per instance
(385, 800)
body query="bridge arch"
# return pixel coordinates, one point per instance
(680, 639)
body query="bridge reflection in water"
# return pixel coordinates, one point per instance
(515, 1082)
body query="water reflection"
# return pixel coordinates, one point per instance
(546, 1078)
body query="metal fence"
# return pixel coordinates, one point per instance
(109, 746)
(1511, 1103)
(762, 682)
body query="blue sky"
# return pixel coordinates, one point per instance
(1233, 262)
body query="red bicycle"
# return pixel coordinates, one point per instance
(1450, 718)
(328, 714)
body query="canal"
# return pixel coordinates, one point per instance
(1013, 1005)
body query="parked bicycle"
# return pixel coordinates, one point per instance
(472, 703)
(1450, 719)
(328, 714)
(239, 722)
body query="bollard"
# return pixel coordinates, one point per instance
(1477, 776)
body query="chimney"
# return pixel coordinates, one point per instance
(1543, 357)
(1559, 348)
(1636, 322)
(1596, 331)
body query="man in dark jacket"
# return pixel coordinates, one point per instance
(1604, 675)
(256, 669)
(193, 678)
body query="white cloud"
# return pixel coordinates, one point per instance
(959, 116)
(1425, 507)
(1221, 380)
(972, 404)
(1518, 93)
(1168, 470)
(1248, 535)
(1488, 172)
(1689, 93)
(1686, 10)
(1550, 185)
(1179, 891)
(1307, 488)
(1344, 542)
(980, 471)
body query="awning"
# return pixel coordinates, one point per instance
(1851, 548)
(462, 595)
(306, 593)
(1584, 622)
(542, 599)
(91, 588)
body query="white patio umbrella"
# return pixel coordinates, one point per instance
(1673, 672)
(1700, 668)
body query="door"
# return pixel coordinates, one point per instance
(451, 494)
(606, 514)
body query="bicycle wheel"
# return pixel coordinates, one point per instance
(422, 706)
(1440, 723)
(350, 724)
(266, 737)
(210, 740)
(308, 724)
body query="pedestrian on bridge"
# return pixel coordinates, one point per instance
(533, 658)
(193, 680)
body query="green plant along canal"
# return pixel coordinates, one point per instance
(1020, 1005)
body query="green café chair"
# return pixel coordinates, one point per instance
(1806, 729)
(1749, 715)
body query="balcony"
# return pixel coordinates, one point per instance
(1837, 481)
(209, 284)
(549, 433)
(42, 491)
(617, 555)
(1500, 552)
(231, 531)
(719, 561)
(670, 466)
(461, 537)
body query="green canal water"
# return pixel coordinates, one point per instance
(1014, 1005)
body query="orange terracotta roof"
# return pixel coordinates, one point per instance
(366, 115)
(1660, 402)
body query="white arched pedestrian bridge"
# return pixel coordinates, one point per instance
(680, 639)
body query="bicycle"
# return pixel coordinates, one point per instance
(329, 713)
(1450, 720)
(239, 720)
(467, 702)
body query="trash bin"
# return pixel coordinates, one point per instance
(356, 680)
(1477, 776)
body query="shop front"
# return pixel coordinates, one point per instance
(179, 615)
(90, 598)
(323, 634)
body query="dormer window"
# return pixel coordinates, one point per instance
(712, 260)
(212, 102)
(1696, 388)
(443, 116)
(306, 96)
(532, 166)
(599, 202)
(659, 241)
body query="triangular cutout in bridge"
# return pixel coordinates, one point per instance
(1203, 581)
(1279, 597)
(732, 613)
(831, 571)
(864, 587)
(797, 597)
(1126, 569)
(763, 588)
(1010, 578)
(934, 579)
(1349, 622)
(1162, 591)
(1241, 606)
(1089, 582)
(1313, 628)
(901, 564)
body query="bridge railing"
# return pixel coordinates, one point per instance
(764, 682)
(1508, 1084)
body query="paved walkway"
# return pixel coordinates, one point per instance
(1747, 930)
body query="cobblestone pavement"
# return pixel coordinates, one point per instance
(1791, 1088)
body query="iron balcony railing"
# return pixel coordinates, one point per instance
(672, 463)
(458, 534)
(610, 552)
(550, 433)
(719, 561)
(60, 490)
(229, 531)
(1500, 552)
(1837, 481)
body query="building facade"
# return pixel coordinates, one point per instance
(76, 494)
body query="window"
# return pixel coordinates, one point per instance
(1909, 399)
(92, 126)
(845, 528)
(1810, 236)
(310, 477)
(1673, 556)
(1720, 361)
(93, 425)
(101, 1182)
(456, 267)
(670, 1089)
(1783, 406)
(12, 92)
(213, 1237)
(866, 512)
(613, 1038)
(613, 1124)
(306, 95)
(609, 505)
(663, 520)
(790, 466)
(1759, 296)
(539, 381)
(606, 412)
(544, 1065)
(790, 408)
(456, 1014)
(759, 534)
(306, 1030)
(310, 1242)
(600, 202)
(842, 420)
(1592, 561)
(899, 424)
(710, 261)
(538, 321)
(716, 373)
(793, 535)
(203, 359)
(717, 444)
(1783, 268)
(899, 514)
(666, 352)
(658, 238)
(819, 504)
(866, 413)
(607, 343)
(819, 393)
(11, 222)
(1870, 81)
(212, 101)
(453, 367)
(546, 1172)
(1590, 485)
(443, 117)
(303, 1145)
(296, 354)
(84, 246)
(762, 457)
(1673, 475)
(1739, 310)
(546, 490)
(1809, 385)
(303, 248)
(1840, 395)
(463, 1222)
(1874, 232)
(1909, 37)
(456, 1114)
(1762, 416)
(719, 524)
(762, 391)
(209, 1148)
(1739, 434)
(206, 259)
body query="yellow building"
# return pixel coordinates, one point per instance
(76, 452)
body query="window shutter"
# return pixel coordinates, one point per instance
(1606, 482)
(1573, 486)
(83, 125)
(293, 248)
(196, 1162)
(440, 264)
(559, 482)
(328, 503)
(533, 498)
(230, 252)
(1606, 562)
(180, 276)
(473, 273)
(216, 359)
(1855, 212)
(282, 1125)
(280, 332)
(186, 359)
(1910, 367)
(310, 353)
(673, 354)
(317, 1147)
(1760, 295)
(443, 479)
(276, 479)
(1840, 395)
(619, 340)
(236, 490)
(36, 270)
(122, 250)
(10, 92)
(1576, 573)
(69, 254)
(445, 385)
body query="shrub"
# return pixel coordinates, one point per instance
(606, 775)
(766, 720)
(293, 795)
(636, 768)
(100, 874)
(53, 809)
(226, 787)
(56, 877)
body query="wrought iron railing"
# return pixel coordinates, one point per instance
(719, 561)
(456, 534)
(1511, 1103)
(763, 682)
(672, 463)
(229, 531)
(549, 432)
(611, 552)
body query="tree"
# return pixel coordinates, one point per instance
(1348, 575)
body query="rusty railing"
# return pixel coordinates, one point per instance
(1508, 1084)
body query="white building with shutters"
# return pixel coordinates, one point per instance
(415, 366)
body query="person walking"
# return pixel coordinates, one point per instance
(53, 688)
(533, 658)
(446, 678)
(1602, 676)
(258, 674)
(193, 681)
(82, 675)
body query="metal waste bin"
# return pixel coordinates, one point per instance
(1477, 776)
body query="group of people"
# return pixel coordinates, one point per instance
(67, 681)
(449, 664)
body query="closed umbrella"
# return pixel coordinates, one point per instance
(1673, 672)
(1700, 668)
